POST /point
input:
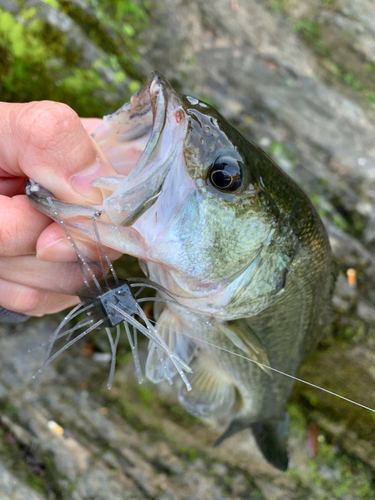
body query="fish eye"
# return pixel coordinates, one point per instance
(225, 174)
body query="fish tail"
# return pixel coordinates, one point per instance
(271, 438)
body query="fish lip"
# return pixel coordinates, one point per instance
(157, 83)
(148, 96)
(143, 185)
(158, 90)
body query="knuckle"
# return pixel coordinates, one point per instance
(48, 123)
(28, 300)
(14, 229)
(5, 238)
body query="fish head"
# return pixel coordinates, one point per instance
(192, 202)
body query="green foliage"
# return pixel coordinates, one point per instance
(327, 211)
(342, 477)
(278, 5)
(32, 466)
(282, 155)
(309, 29)
(351, 80)
(85, 56)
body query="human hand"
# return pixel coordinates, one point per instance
(47, 142)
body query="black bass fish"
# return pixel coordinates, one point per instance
(235, 242)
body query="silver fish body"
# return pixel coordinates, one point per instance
(232, 238)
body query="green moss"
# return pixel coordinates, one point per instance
(298, 419)
(9, 409)
(339, 221)
(40, 61)
(331, 470)
(31, 466)
(179, 415)
(339, 62)
(349, 477)
(161, 405)
(130, 414)
(281, 154)
(52, 3)
(113, 26)
(188, 454)
(146, 394)
(326, 210)
(134, 86)
(333, 370)
(310, 30)
(278, 5)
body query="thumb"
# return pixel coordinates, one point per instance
(47, 142)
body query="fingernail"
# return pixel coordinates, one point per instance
(81, 182)
(100, 168)
(62, 251)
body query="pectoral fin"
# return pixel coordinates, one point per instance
(169, 328)
(242, 336)
(212, 394)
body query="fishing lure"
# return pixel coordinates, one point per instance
(109, 302)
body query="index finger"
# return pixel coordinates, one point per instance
(47, 142)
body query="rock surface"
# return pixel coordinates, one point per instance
(298, 80)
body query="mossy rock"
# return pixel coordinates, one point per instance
(82, 53)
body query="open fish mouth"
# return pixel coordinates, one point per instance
(141, 140)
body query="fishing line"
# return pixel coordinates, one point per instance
(275, 370)
(178, 363)
(99, 242)
(93, 221)
(72, 242)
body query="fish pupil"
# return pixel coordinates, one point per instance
(225, 174)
